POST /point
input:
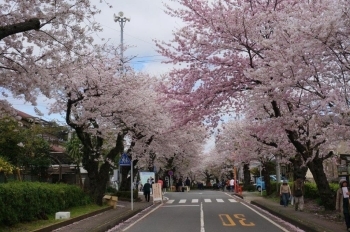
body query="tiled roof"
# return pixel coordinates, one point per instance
(24, 115)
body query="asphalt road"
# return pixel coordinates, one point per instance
(202, 211)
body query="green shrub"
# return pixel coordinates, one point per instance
(249, 188)
(311, 190)
(28, 201)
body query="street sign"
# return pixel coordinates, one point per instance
(157, 192)
(124, 160)
(170, 173)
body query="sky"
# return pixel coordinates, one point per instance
(148, 21)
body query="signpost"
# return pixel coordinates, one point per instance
(157, 192)
(125, 161)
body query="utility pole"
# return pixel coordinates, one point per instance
(121, 19)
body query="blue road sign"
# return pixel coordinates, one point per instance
(124, 160)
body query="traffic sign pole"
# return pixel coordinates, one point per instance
(170, 173)
(132, 187)
(125, 161)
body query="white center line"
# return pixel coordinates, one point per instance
(202, 219)
(172, 206)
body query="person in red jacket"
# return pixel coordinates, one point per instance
(160, 181)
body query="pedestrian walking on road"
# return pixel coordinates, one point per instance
(223, 185)
(342, 202)
(165, 186)
(147, 191)
(179, 184)
(232, 184)
(285, 192)
(188, 183)
(298, 194)
(160, 181)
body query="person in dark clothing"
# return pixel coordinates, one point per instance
(147, 191)
(188, 183)
(179, 185)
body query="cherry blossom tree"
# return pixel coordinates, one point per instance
(211, 165)
(106, 108)
(177, 149)
(283, 58)
(39, 39)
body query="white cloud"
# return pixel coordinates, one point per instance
(148, 22)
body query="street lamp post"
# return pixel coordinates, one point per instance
(121, 19)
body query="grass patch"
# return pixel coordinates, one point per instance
(39, 224)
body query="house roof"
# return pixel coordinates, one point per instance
(60, 158)
(29, 117)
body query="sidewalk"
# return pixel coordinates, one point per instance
(306, 221)
(103, 220)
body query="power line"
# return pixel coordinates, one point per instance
(146, 61)
(127, 34)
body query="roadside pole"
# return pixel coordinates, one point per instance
(125, 161)
(235, 179)
(132, 186)
(260, 167)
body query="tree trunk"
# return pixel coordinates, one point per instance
(298, 169)
(326, 195)
(99, 176)
(266, 174)
(246, 174)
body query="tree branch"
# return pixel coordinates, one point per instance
(30, 24)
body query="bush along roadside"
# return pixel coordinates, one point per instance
(311, 191)
(29, 201)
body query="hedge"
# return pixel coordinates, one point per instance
(311, 191)
(28, 201)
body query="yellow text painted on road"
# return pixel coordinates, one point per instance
(227, 220)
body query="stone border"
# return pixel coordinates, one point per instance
(294, 221)
(70, 221)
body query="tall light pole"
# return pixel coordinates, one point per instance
(121, 19)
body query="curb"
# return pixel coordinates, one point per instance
(293, 221)
(238, 195)
(122, 217)
(71, 221)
